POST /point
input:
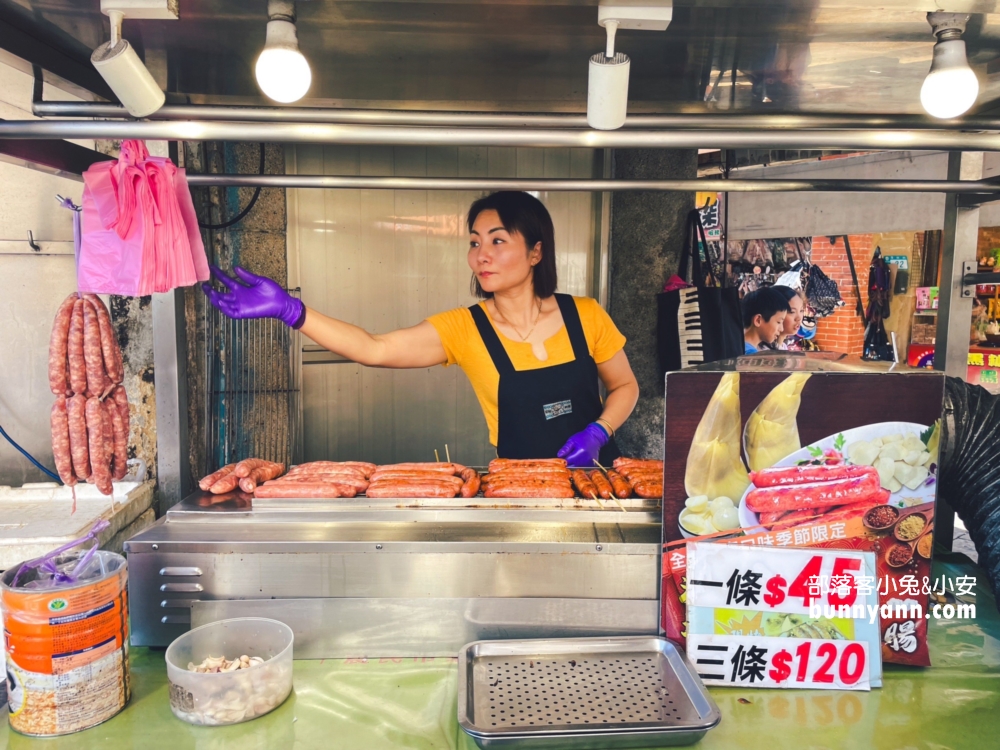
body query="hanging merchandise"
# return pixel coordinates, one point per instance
(700, 323)
(822, 292)
(139, 229)
(758, 278)
(877, 346)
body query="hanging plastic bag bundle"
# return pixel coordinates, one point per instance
(139, 230)
(66, 623)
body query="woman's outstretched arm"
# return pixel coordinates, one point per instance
(252, 296)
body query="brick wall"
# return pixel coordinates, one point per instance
(843, 331)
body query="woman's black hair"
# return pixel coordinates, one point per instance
(525, 214)
(787, 292)
(765, 302)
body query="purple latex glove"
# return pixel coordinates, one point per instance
(256, 297)
(583, 448)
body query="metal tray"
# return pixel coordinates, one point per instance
(580, 693)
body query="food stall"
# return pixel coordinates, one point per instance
(382, 593)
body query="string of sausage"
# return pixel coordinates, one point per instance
(90, 417)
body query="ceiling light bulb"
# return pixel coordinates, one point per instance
(950, 88)
(283, 72)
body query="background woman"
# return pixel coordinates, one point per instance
(788, 337)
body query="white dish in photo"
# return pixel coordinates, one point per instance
(903, 498)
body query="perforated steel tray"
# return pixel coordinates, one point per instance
(581, 693)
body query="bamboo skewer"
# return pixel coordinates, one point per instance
(436, 456)
(603, 507)
(447, 453)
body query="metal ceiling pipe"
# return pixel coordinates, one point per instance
(716, 120)
(297, 132)
(979, 187)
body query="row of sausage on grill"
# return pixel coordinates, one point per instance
(506, 478)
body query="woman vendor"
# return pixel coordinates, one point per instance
(534, 357)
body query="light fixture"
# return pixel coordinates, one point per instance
(282, 71)
(124, 72)
(951, 87)
(607, 82)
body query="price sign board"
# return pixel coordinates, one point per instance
(774, 617)
(780, 662)
(779, 580)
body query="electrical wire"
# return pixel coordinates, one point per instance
(250, 205)
(28, 455)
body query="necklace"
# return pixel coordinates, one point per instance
(504, 319)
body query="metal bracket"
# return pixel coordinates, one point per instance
(970, 279)
(975, 200)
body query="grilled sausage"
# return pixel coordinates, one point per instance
(215, 476)
(441, 466)
(59, 423)
(319, 476)
(74, 350)
(582, 482)
(517, 476)
(291, 490)
(393, 489)
(363, 466)
(813, 494)
(531, 470)
(621, 488)
(776, 477)
(648, 490)
(260, 475)
(224, 484)
(502, 463)
(642, 477)
(359, 484)
(602, 484)
(530, 490)
(622, 461)
(58, 374)
(470, 483)
(76, 413)
(100, 462)
(412, 477)
(244, 467)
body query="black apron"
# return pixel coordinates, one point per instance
(538, 410)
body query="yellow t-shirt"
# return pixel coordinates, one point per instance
(465, 347)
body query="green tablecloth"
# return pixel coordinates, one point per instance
(410, 703)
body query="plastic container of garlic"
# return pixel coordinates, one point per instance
(253, 656)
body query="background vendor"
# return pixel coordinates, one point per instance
(536, 359)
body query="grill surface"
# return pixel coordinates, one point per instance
(581, 692)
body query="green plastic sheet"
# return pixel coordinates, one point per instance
(410, 703)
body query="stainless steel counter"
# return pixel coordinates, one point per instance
(396, 577)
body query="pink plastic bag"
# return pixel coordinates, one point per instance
(139, 230)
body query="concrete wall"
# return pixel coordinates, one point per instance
(647, 231)
(32, 285)
(768, 215)
(257, 243)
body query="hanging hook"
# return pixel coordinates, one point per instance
(32, 244)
